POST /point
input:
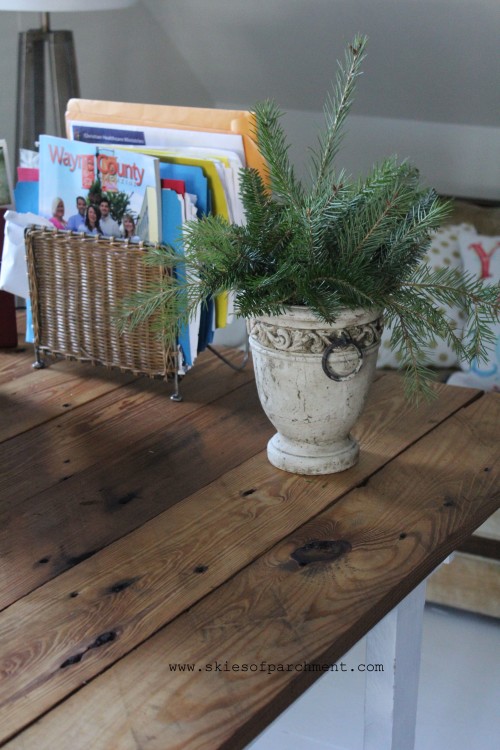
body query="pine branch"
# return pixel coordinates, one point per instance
(273, 146)
(417, 377)
(336, 110)
(254, 197)
(462, 290)
(341, 244)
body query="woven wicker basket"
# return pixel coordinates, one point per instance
(76, 284)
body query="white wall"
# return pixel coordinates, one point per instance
(458, 160)
(429, 92)
(122, 55)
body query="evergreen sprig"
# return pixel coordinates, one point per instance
(336, 109)
(339, 243)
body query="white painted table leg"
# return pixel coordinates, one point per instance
(391, 694)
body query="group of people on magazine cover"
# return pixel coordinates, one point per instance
(93, 216)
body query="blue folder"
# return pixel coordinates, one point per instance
(194, 179)
(26, 197)
(171, 217)
(197, 184)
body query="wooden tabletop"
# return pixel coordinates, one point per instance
(163, 586)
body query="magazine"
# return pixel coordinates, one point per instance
(99, 189)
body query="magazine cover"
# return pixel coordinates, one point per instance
(99, 189)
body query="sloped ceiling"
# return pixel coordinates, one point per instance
(432, 60)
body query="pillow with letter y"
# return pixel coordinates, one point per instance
(481, 257)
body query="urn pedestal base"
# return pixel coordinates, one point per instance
(305, 458)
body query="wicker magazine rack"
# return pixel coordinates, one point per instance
(77, 283)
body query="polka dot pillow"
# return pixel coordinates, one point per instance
(444, 252)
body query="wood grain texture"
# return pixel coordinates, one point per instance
(101, 429)
(58, 528)
(35, 398)
(75, 517)
(400, 522)
(136, 533)
(14, 363)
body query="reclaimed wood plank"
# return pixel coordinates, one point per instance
(41, 395)
(52, 640)
(73, 519)
(15, 362)
(296, 606)
(58, 528)
(104, 428)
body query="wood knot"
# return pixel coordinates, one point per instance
(246, 493)
(119, 586)
(321, 551)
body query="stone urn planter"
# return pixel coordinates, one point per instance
(313, 380)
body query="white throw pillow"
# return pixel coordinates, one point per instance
(481, 257)
(444, 252)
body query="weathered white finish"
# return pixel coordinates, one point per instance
(312, 412)
(391, 695)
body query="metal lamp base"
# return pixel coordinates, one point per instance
(36, 48)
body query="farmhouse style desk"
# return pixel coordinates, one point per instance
(162, 586)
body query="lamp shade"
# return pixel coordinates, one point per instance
(63, 6)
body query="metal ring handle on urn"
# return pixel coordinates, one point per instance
(337, 342)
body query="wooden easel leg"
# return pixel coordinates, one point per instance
(391, 695)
